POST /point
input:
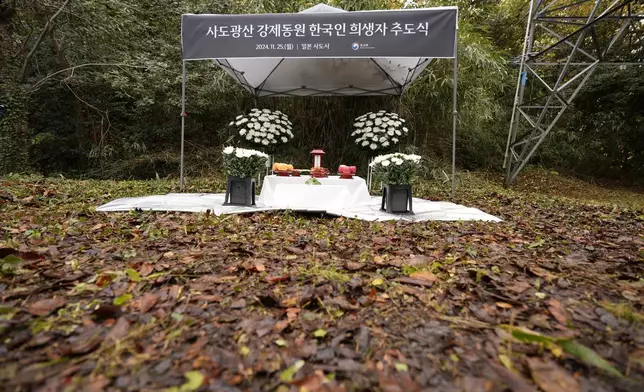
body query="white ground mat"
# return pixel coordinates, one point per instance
(424, 210)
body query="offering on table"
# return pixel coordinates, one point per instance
(347, 172)
(319, 172)
(282, 169)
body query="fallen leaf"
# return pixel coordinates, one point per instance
(589, 357)
(504, 305)
(519, 287)
(146, 269)
(319, 333)
(119, 330)
(122, 299)
(424, 275)
(238, 304)
(294, 250)
(277, 279)
(551, 377)
(194, 381)
(147, 302)
(354, 266)
(514, 381)
(506, 361)
(45, 306)
(133, 275)
(414, 282)
(558, 312)
(288, 374)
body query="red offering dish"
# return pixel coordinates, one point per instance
(295, 173)
(282, 173)
(347, 172)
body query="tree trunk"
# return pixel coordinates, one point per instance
(14, 132)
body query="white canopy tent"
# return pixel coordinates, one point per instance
(324, 51)
(322, 76)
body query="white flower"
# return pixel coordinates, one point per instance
(239, 153)
(257, 140)
(385, 144)
(383, 139)
(284, 140)
(402, 119)
(372, 116)
(229, 150)
(390, 132)
(242, 132)
(398, 132)
(265, 142)
(375, 138)
(376, 130)
(266, 111)
(390, 123)
(385, 119)
(249, 136)
(378, 121)
(238, 117)
(385, 163)
(397, 123)
(364, 143)
(257, 126)
(369, 123)
(382, 111)
(368, 134)
(373, 146)
(231, 123)
(405, 130)
(397, 161)
(395, 140)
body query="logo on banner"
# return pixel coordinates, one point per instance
(359, 46)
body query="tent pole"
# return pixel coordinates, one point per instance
(183, 119)
(454, 114)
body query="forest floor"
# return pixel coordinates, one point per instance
(551, 298)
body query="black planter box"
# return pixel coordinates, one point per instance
(396, 199)
(240, 192)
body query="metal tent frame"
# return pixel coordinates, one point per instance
(396, 89)
(561, 50)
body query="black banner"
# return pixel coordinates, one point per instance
(399, 33)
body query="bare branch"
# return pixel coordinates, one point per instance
(41, 81)
(44, 31)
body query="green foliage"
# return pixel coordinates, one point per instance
(100, 96)
(14, 137)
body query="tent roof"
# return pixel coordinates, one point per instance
(345, 75)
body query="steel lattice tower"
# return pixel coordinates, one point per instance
(564, 43)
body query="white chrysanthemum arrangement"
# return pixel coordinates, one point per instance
(243, 163)
(264, 127)
(396, 169)
(378, 131)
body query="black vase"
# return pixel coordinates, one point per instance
(396, 199)
(240, 192)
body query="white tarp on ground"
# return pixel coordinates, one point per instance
(424, 210)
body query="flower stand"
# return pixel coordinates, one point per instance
(396, 199)
(240, 192)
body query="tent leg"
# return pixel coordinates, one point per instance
(183, 120)
(454, 115)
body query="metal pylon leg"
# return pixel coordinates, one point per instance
(551, 75)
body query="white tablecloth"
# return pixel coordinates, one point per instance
(333, 193)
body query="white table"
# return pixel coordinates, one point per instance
(332, 193)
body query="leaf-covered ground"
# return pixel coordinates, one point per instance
(549, 299)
